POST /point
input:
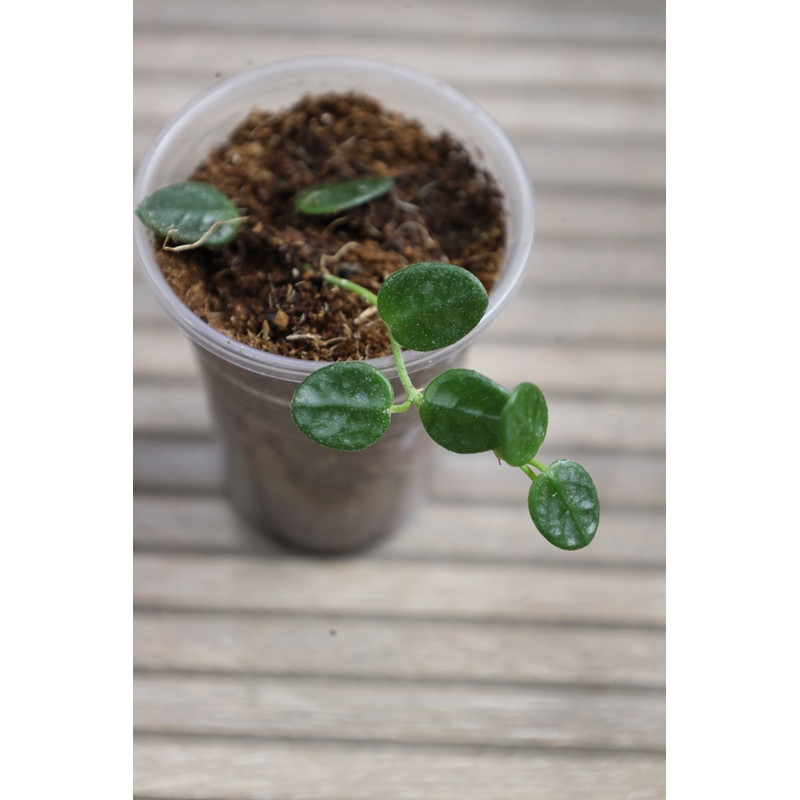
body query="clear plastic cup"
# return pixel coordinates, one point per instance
(293, 489)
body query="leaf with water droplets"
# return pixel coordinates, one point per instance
(344, 406)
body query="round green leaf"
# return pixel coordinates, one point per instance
(340, 196)
(523, 425)
(187, 211)
(461, 411)
(563, 505)
(429, 305)
(344, 406)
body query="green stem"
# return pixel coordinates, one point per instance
(399, 409)
(413, 395)
(343, 283)
(529, 472)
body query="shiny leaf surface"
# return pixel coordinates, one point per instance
(563, 505)
(187, 211)
(523, 424)
(430, 305)
(461, 411)
(344, 406)
(335, 197)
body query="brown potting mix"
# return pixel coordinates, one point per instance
(264, 288)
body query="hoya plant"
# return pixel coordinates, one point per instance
(349, 405)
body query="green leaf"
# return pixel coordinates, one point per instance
(429, 305)
(335, 197)
(461, 411)
(563, 505)
(187, 211)
(523, 424)
(344, 406)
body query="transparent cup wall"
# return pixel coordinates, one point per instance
(281, 482)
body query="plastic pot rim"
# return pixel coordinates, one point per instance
(263, 362)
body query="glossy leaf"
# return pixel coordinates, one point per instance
(563, 505)
(429, 305)
(344, 406)
(187, 211)
(461, 411)
(523, 424)
(335, 197)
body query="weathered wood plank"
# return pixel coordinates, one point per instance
(576, 317)
(210, 769)
(177, 409)
(629, 23)
(573, 369)
(625, 266)
(414, 713)
(445, 531)
(624, 481)
(629, 481)
(541, 320)
(597, 423)
(570, 316)
(557, 111)
(353, 648)
(613, 163)
(601, 214)
(161, 353)
(166, 466)
(401, 589)
(510, 64)
(583, 318)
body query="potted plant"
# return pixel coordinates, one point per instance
(357, 486)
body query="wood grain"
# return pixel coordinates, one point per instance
(630, 482)
(163, 355)
(208, 769)
(461, 591)
(438, 531)
(591, 422)
(408, 713)
(589, 22)
(324, 645)
(547, 317)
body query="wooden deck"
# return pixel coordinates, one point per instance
(465, 658)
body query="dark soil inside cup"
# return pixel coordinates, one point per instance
(263, 288)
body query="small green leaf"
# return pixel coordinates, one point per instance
(461, 411)
(344, 406)
(563, 505)
(429, 305)
(335, 197)
(187, 211)
(523, 424)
